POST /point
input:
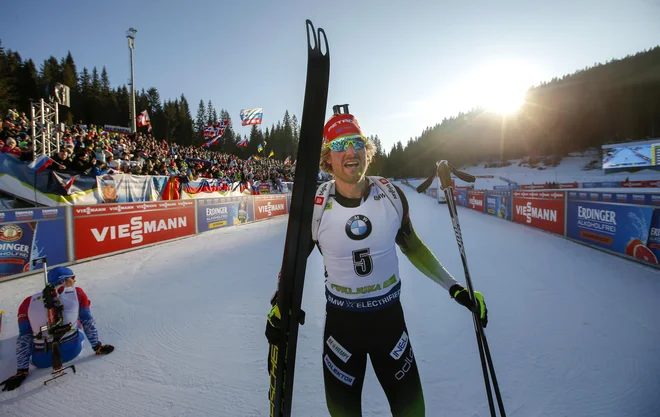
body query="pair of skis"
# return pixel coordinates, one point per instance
(299, 230)
(443, 172)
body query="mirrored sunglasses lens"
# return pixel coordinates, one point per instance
(340, 145)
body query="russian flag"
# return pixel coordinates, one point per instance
(41, 163)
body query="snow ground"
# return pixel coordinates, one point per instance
(573, 331)
(568, 170)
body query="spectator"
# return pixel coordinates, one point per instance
(10, 147)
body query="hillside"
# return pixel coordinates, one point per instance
(570, 169)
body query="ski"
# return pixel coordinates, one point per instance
(298, 235)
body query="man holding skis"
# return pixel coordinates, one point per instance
(357, 221)
(32, 317)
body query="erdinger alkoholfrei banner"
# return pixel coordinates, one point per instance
(31, 233)
(214, 213)
(616, 222)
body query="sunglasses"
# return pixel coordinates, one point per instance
(339, 145)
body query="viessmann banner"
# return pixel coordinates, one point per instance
(541, 209)
(266, 207)
(110, 228)
(31, 233)
(214, 213)
(626, 228)
(476, 200)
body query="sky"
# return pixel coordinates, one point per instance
(402, 66)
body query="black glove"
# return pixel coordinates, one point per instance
(103, 349)
(14, 381)
(274, 332)
(462, 297)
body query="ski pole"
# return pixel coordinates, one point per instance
(443, 172)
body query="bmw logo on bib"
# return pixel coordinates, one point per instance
(358, 227)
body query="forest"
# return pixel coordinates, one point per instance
(608, 102)
(618, 101)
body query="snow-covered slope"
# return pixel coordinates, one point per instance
(573, 331)
(570, 169)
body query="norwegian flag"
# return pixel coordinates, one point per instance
(215, 132)
(217, 129)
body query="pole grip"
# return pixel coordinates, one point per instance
(464, 176)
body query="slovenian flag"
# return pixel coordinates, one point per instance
(41, 163)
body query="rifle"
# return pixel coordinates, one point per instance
(55, 329)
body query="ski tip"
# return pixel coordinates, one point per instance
(324, 44)
(311, 35)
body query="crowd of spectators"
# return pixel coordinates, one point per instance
(89, 150)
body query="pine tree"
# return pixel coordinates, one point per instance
(200, 122)
(209, 113)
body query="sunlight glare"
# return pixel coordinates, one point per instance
(501, 87)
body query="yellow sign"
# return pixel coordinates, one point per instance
(218, 224)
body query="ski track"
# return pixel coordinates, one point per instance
(572, 332)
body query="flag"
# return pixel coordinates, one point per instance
(143, 119)
(243, 142)
(252, 116)
(41, 163)
(287, 161)
(215, 131)
(256, 157)
(260, 148)
(271, 154)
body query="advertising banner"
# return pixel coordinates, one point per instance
(476, 201)
(126, 188)
(627, 229)
(266, 207)
(541, 209)
(533, 186)
(110, 228)
(499, 203)
(31, 233)
(264, 188)
(623, 197)
(462, 198)
(606, 184)
(214, 213)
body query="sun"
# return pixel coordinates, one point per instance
(501, 87)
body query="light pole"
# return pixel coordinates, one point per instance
(130, 35)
